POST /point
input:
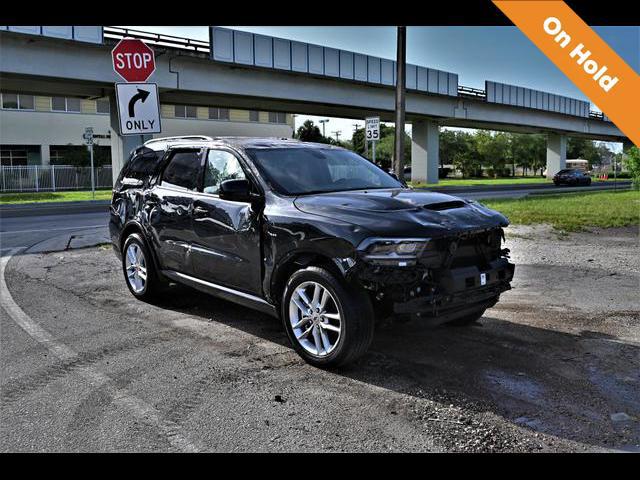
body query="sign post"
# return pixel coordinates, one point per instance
(372, 133)
(138, 102)
(88, 140)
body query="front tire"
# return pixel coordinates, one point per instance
(138, 268)
(328, 321)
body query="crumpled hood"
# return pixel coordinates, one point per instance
(402, 212)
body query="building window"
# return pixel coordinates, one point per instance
(277, 117)
(73, 105)
(65, 104)
(13, 158)
(254, 116)
(14, 101)
(218, 113)
(102, 106)
(185, 111)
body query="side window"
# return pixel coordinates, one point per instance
(143, 165)
(220, 166)
(182, 170)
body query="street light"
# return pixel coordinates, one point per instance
(323, 122)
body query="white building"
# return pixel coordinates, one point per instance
(42, 130)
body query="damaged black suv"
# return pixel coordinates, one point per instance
(314, 234)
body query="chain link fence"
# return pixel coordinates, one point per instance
(51, 178)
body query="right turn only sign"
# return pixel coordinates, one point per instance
(138, 108)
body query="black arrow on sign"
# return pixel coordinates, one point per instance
(141, 95)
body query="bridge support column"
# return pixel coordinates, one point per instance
(556, 153)
(121, 145)
(626, 145)
(425, 151)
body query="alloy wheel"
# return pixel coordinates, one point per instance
(136, 267)
(315, 318)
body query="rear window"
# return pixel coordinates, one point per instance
(142, 165)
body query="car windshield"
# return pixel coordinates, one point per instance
(304, 170)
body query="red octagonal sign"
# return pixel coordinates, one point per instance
(133, 60)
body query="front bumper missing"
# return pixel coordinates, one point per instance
(462, 290)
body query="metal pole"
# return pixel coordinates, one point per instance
(401, 58)
(37, 189)
(373, 152)
(53, 177)
(615, 174)
(93, 183)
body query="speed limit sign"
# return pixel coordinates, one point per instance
(372, 130)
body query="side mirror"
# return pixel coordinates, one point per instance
(235, 190)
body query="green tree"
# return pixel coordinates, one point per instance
(632, 163)
(583, 148)
(309, 132)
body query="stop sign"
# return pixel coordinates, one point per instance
(133, 60)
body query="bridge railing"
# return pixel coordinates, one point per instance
(52, 178)
(200, 46)
(156, 39)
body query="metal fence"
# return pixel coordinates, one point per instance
(51, 178)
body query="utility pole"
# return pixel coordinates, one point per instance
(323, 122)
(401, 60)
(337, 134)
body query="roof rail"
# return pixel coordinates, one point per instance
(185, 137)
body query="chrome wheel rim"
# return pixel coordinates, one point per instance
(136, 267)
(315, 318)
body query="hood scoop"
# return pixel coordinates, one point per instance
(440, 206)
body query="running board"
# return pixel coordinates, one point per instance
(226, 293)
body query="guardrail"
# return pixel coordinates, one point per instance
(158, 40)
(52, 178)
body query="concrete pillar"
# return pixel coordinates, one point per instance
(425, 151)
(121, 146)
(556, 153)
(45, 155)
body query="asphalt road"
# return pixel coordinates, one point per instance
(24, 231)
(555, 366)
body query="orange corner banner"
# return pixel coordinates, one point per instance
(582, 56)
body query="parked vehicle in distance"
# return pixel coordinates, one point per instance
(571, 176)
(314, 234)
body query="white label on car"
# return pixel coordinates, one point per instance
(483, 279)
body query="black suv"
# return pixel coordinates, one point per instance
(571, 176)
(314, 234)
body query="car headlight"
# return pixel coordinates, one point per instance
(400, 252)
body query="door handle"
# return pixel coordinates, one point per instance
(199, 211)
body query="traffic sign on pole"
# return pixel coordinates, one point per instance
(372, 129)
(88, 140)
(138, 108)
(133, 60)
(372, 133)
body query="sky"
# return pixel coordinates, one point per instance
(476, 54)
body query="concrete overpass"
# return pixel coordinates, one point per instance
(189, 73)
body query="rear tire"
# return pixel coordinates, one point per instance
(328, 321)
(139, 270)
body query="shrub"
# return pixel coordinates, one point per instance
(632, 162)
